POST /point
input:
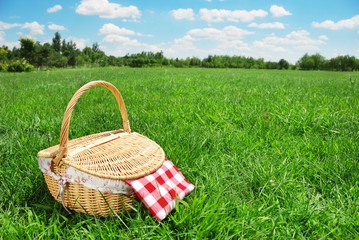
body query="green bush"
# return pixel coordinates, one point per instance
(3, 67)
(20, 65)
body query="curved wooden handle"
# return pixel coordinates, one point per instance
(64, 133)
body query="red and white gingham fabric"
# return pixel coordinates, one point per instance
(159, 190)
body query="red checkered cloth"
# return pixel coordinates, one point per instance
(159, 190)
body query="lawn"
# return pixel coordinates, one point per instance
(273, 154)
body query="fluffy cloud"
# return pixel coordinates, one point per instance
(291, 46)
(323, 38)
(55, 8)
(274, 25)
(117, 45)
(350, 23)
(6, 43)
(112, 29)
(121, 39)
(106, 9)
(7, 26)
(115, 34)
(56, 27)
(220, 15)
(117, 41)
(279, 11)
(226, 33)
(203, 41)
(81, 43)
(34, 27)
(294, 40)
(183, 14)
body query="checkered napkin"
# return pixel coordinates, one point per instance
(159, 190)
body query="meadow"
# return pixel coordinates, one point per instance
(273, 154)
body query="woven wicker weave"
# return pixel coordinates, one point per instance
(119, 155)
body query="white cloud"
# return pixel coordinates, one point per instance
(121, 39)
(323, 38)
(106, 9)
(55, 8)
(183, 14)
(3, 41)
(235, 32)
(110, 28)
(279, 11)
(220, 15)
(115, 34)
(291, 46)
(2, 36)
(185, 42)
(195, 42)
(34, 27)
(56, 27)
(116, 45)
(203, 41)
(296, 40)
(350, 23)
(227, 33)
(81, 43)
(184, 47)
(274, 25)
(302, 40)
(204, 33)
(7, 26)
(117, 41)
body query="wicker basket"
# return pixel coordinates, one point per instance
(114, 155)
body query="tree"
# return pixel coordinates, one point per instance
(113, 61)
(87, 54)
(69, 50)
(283, 64)
(98, 57)
(63, 54)
(319, 61)
(27, 49)
(159, 56)
(60, 61)
(208, 62)
(260, 63)
(56, 42)
(306, 62)
(344, 63)
(96, 48)
(311, 62)
(272, 65)
(46, 52)
(3, 53)
(14, 54)
(195, 62)
(165, 62)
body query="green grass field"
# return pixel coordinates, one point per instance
(273, 154)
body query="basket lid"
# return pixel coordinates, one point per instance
(117, 156)
(114, 155)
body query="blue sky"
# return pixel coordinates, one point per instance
(271, 29)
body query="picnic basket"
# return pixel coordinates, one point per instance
(77, 171)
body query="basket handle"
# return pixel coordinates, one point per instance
(64, 133)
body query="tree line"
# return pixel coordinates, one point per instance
(61, 54)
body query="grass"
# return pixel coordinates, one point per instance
(273, 154)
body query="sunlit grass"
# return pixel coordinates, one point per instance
(273, 154)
